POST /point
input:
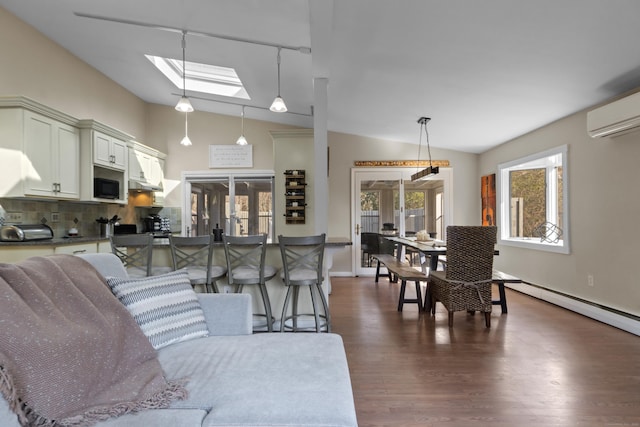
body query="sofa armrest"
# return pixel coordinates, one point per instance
(227, 314)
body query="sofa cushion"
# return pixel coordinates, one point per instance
(158, 418)
(166, 307)
(264, 379)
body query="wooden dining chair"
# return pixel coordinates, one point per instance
(465, 285)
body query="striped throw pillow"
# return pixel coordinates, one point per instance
(165, 306)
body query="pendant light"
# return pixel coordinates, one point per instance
(278, 105)
(184, 105)
(242, 140)
(186, 141)
(430, 170)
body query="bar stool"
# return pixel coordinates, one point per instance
(136, 253)
(195, 254)
(245, 266)
(302, 262)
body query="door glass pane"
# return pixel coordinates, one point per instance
(439, 219)
(415, 209)
(424, 207)
(207, 211)
(194, 213)
(369, 208)
(378, 204)
(254, 206)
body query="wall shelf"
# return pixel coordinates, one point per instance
(295, 202)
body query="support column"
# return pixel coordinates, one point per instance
(320, 145)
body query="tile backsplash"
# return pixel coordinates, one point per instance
(63, 215)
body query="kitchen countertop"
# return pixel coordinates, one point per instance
(61, 241)
(57, 241)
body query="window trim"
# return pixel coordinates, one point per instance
(504, 196)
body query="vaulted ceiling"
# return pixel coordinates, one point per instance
(484, 71)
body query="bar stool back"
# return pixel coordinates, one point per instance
(195, 254)
(246, 266)
(302, 261)
(136, 253)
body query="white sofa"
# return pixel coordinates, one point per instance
(237, 378)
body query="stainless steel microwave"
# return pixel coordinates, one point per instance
(106, 188)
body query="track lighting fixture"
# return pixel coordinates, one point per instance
(278, 105)
(429, 170)
(242, 140)
(184, 104)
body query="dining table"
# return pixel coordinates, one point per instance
(433, 249)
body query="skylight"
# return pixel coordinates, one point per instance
(202, 78)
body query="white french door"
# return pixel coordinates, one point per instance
(386, 198)
(241, 203)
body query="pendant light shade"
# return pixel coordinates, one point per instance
(186, 141)
(242, 140)
(184, 105)
(278, 105)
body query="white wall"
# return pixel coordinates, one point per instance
(51, 75)
(345, 149)
(36, 67)
(604, 207)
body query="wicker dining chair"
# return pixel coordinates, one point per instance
(465, 285)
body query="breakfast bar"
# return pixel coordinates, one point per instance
(11, 252)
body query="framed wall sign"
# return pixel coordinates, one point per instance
(231, 156)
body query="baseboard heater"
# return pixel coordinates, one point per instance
(625, 321)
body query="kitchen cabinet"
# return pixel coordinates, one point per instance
(41, 151)
(77, 248)
(146, 174)
(103, 154)
(109, 151)
(15, 253)
(139, 166)
(146, 165)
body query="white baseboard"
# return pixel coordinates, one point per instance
(590, 310)
(341, 274)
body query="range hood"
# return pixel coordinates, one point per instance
(143, 186)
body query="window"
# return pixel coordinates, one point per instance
(240, 204)
(199, 77)
(533, 201)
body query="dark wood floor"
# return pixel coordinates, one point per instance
(539, 365)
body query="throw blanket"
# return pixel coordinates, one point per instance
(70, 352)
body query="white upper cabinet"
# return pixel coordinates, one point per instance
(103, 154)
(139, 166)
(157, 171)
(41, 151)
(146, 165)
(109, 151)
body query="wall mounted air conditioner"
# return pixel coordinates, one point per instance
(616, 118)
